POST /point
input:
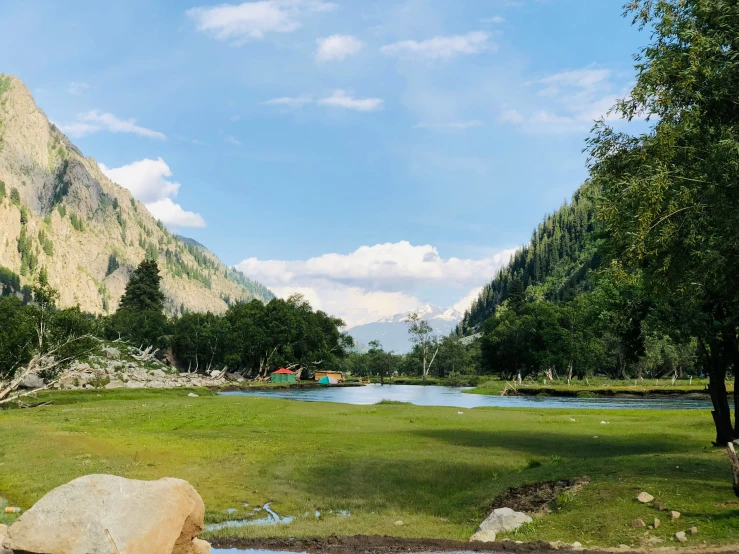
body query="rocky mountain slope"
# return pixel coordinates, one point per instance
(58, 211)
(392, 332)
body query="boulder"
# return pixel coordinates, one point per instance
(140, 517)
(199, 546)
(32, 382)
(680, 536)
(3, 533)
(657, 522)
(483, 536)
(638, 523)
(115, 384)
(693, 530)
(112, 353)
(645, 497)
(504, 520)
(675, 515)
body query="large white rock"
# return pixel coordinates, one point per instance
(141, 517)
(504, 520)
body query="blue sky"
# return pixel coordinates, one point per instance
(373, 155)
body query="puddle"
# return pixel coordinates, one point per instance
(272, 519)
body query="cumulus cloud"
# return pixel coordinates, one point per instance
(337, 47)
(252, 20)
(441, 47)
(95, 121)
(373, 281)
(148, 181)
(340, 99)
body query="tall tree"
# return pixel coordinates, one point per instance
(670, 197)
(422, 336)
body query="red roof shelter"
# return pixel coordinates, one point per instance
(283, 375)
(283, 371)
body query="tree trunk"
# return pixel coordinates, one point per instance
(734, 466)
(715, 365)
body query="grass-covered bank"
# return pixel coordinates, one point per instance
(598, 387)
(432, 468)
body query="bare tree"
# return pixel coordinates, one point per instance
(422, 336)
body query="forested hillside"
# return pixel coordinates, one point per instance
(557, 261)
(61, 213)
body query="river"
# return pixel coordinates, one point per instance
(456, 397)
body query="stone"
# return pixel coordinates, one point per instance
(645, 497)
(115, 385)
(157, 373)
(675, 515)
(504, 520)
(112, 353)
(661, 507)
(192, 395)
(141, 517)
(399, 522)
(680, 536)
(215, 373)
(32, 382)
(657, 523)
(638, 523)
(483, 536)
(577, 546)
(199, 546)
(693, 530)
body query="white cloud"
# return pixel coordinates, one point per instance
(452, 126)
(495, 19)
(337, 47)
(373, 281)
(341, 99)
(569, 101)
(440, 48)
(77, 88)
(95, 121)
(148, 182)
(465, 303)
(252, 20)
(233, 140)
(290, 101)
(511, 116)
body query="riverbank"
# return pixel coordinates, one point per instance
(366, 468)
(695, 389)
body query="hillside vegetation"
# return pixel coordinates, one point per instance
(60, 212)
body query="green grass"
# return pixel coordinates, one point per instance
(599, 386)
(432, 468)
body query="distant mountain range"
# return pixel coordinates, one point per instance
(392, 331)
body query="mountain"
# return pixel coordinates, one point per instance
(556, 262)
(58, 211)
(392, 332)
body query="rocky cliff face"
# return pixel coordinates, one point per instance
(60, 212)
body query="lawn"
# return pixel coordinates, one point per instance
(434, 469)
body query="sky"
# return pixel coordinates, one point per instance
(372, 155)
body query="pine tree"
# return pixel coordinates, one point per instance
(143, 292)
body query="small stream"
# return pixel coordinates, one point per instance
(456, 397)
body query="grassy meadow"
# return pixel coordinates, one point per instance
(432, 468)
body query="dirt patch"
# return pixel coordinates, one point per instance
(537, 498)
(363, 544)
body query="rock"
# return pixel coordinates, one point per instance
(657, 523)
(638, 523)
(693, 530)
(399, 522)
(32, 382)
(199, 546)
(193, 395)
(157, 373)
(134, 385)
(215, 373)
(645, 497)
(483, 536)
(654, 540)
(504, 520)
(112, 353)
(661, 507)
(142, 517)
(680, 535)
(576, 546)
(675, 515)
(82, 367)
(115, 385)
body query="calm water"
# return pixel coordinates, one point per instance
(450, 396)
